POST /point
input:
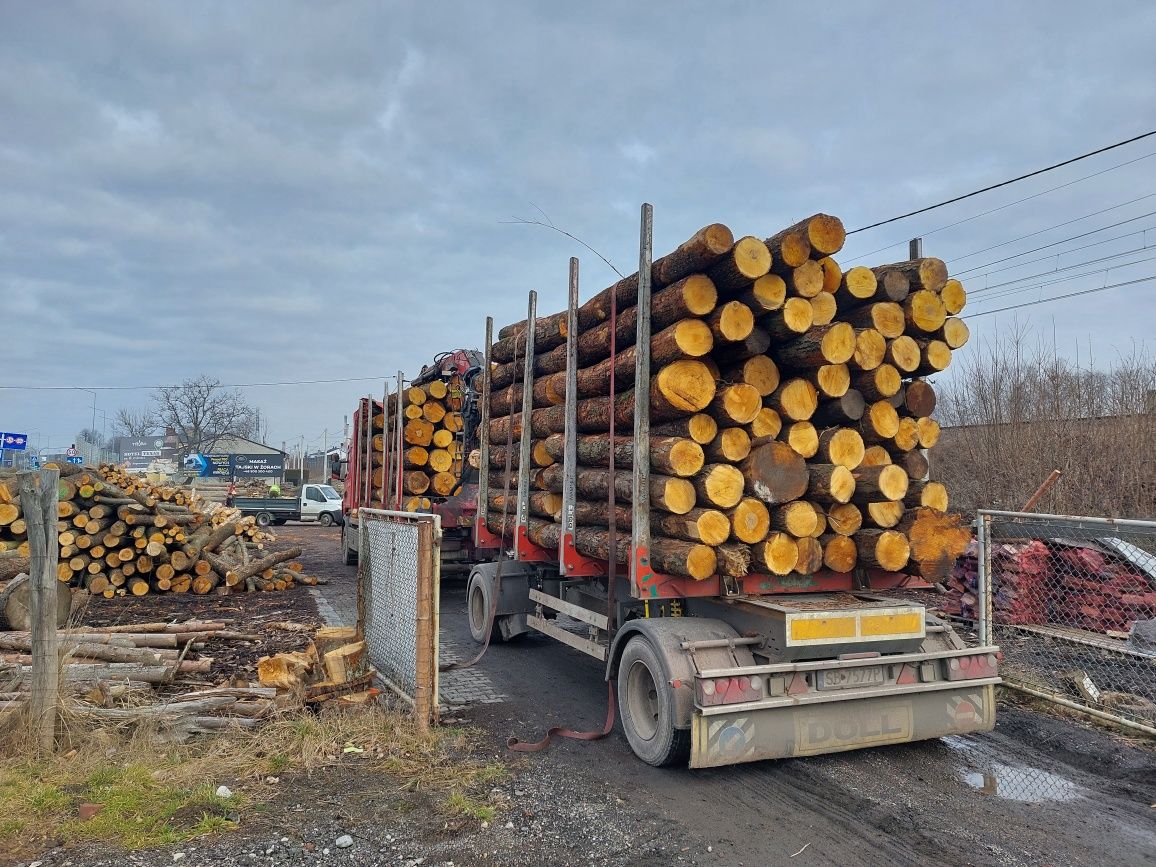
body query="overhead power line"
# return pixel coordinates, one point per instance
(1003, 293)
(223, 385)
(1008, 182)
(1150, 277)
(1143, 233)
(973, 292)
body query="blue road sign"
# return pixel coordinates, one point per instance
(33, 462)
(75, 460)
(15, 441)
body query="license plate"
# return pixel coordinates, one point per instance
(850, 678)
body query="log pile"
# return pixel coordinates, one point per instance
(788, 407)
(1055, 583)
(120, 535)
(431, 451)
(334, 666)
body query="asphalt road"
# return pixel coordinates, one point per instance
(1038, 790)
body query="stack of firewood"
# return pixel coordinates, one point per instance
(334, 666)
(431, 427)
(120, 535)
(788, 410)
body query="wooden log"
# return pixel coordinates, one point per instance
(803, 438)
(830, 483)
(804, 281)
(549, 331)
(736, 404)
(935, 356)
(720, 485)
(732, 445)
(839, 411)
(870, 349)
(914, 463)
(884, 549)
(903, 353)
(886, 317)
(918, 399)
(887, 482)
(841, 445)
(778, 555)
(700, 427)
(596, 311)
(893, 284)
(669, 556)
(824, 308)
(758, 343)
(766, 424)
(417, 432)
(795, 399)
(16, 599)
(955, 332)
(731, 322)
(840, 553)
(928, 432)
(676, 456)
(953, 296)
(883, 513)
(740, 266)
(810, 558)
(709, 526)
(858, 287)
(789, 248)
(879, 424)
(543, 504)
(795, 317)
(820, 520)
(932, 495)
(924, 311)
(750, 521)
(759, 371)
(765, 295)
(844, 519)
(666, 493)
(734, 559)
(829, 344)
(797, 518)
(928, 273)
(936, 539)
(878, 384)
(824, 233)
(907, 437)
(774, 473)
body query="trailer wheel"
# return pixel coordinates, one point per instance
(646, 705)
(479, 604)
(325, 519)
(348, 555)
(264, 519)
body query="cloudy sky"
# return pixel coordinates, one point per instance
(291, 191)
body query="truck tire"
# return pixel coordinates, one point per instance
(264, 519)
(348, 555)
(479, 605)
(325, 519)
(646, 706)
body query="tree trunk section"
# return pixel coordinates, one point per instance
(795, 399)
(824, 308)
(884, 549)
(929, 273)
(736, 404)
(878, 384)
(732, 445)
(795, 317)
(830, 483)
(748, 260)
(720, 485)
(700, 427)
(708, 526)
(803, 438)
(903, 353)
(778, 555)
(935, 357)
(828, 344)
(870, 349)
(931, 495)
(886, 317)
(888, 482)
(774, 473)
(750, 521)
(676, 456)
(858, 287)
(765, 295)
(844, 519)
(766, 424)
(839, 552)
(760, 371)
(839, 411)
(797, 518)
(843, 446)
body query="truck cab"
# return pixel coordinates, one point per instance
(320, 503)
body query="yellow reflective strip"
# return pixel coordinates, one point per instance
(891, 624)
(808, 629)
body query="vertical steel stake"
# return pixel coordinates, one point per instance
(640, 490)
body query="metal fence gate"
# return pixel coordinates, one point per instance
(397, 602)
(1072, 604)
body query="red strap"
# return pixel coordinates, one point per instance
(563, 732)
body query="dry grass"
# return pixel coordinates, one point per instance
(154, 794)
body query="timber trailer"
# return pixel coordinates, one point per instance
(374, 477)
(723, 670)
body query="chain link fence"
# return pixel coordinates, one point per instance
(397, 602)
(1072, 604)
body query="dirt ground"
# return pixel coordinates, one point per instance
(1038, 790)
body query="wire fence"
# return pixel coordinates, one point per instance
(1072, 605)
(398, 598)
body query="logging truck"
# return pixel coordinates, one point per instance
(709, 475)
(409, 451)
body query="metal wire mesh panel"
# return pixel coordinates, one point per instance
(397, 601)
(1073, 607)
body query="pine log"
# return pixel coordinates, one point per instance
(830, 483)
(16, 595)
(824, 308)
(914, 464)
(878, 384)
(766, 424)
(935, 357)
(883, 513)
(778, 555)
(803, 438)
(543, 504)
(765, 295)
(919, 399)
(789, 248)
(887, 482)
(847, 408)
(886, 317)
(756, 344)
(709, 526)
(736, 404)
(831, 380)
(870, 349)
(879, 424)
(825, 234)
(928, 432)
(666, 493)
(676, 456)
(669, 556)
(804, 281)
(929, 273)
(907, 437)
(549, 331)
(841, 445)
(953, 296)
(885, 549)
(832, 275)
(744, 263)
(858, 287)
(508, 399)
(720, 485)
(795, 399)
(829, 344)
(924, 312)
(699, 427)
(795, 317)
(932, 495)
(596, 513)
(936, 540)
(903, 353)
(750, 521)
(734, 559)
(759, 371)
(810, 555)
(955, 332)
(844, 519)
(894, 284)
(840, 553)
(732, 445)
(774, 473)
(797, 518)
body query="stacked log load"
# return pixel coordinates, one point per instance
(789, 410)
(431, 429)
(121, 535)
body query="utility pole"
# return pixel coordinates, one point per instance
(325, 456)
(915, 248)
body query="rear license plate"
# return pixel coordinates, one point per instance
(851, 678)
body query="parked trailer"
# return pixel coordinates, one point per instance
(724, 670)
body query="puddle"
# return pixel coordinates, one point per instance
(1020, 783)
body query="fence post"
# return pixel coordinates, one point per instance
(38, 500)
(983, 579)
(423, 657)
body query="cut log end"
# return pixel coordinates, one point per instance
(824, 308)
(798, 518)
(750, 521)
(678, 496)
(833, 380)
(924, 311)
(738, 403)
(955, 332)
(953, 296)
(721, 485)
(839, 553)
(778, 555)
(766, 424)
(732, 322)
(796, 399)
(844, 519)
(803, 438)
(842, 446)
(903, 353)
(686, 385)
(870, 349)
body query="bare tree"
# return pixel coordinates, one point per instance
(202, 412)
(130, 422)
(93, 437)
(1017, 410)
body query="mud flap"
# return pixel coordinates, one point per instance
(806, 730)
